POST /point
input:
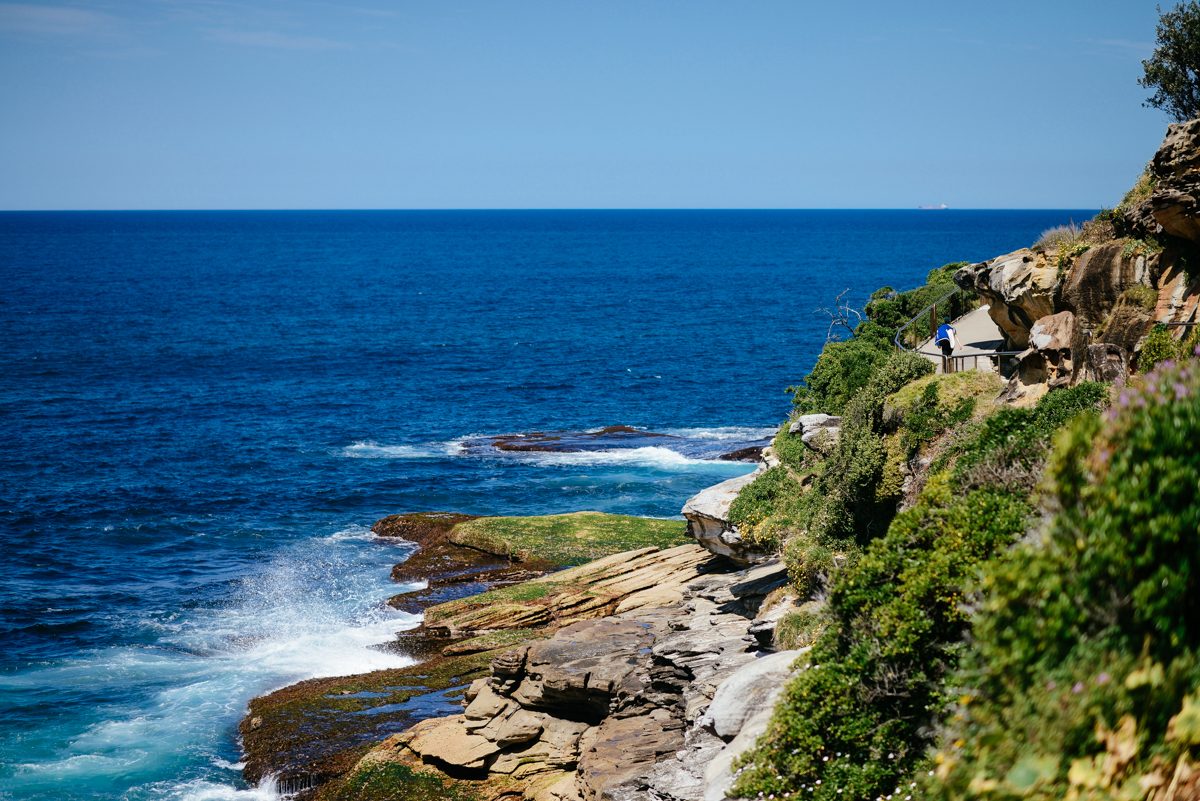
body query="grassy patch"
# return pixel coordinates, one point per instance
(571, 539)
(952, 388)
(497, 639)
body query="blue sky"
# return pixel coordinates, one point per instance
(187, 104)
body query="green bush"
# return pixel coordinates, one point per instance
(1020, 438)
(1087, 639)
(1161, 346)
(846, 504)
(860, 724)
(927, 418)
(856, 722)
(842, 369)
(761, 499)
(789, 448)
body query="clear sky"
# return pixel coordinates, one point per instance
(196, 104)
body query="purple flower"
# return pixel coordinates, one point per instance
(1103, 679)
(1077, 689)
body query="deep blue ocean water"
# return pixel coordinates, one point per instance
(204, 412)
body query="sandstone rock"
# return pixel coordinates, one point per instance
(1050, 361)
(683, 777)
(558, 746)
(706, 513)
(1178, 298)
(495, 617)
(1098, 278)
(817, 431)
(1019, 288)
(625, 751)
(1126, 326)
(718, 776)
(810, 422)
(1107, 363)
(581, 669)
(486, 706)
(1176, 165)
(450, 743)
(750, 689)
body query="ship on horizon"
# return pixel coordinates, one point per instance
(929, 208)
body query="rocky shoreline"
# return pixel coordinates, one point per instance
(601, 680)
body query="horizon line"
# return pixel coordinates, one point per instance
(550, 208)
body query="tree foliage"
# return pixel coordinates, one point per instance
(1173, 71)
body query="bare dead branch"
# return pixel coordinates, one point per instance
(839, 316)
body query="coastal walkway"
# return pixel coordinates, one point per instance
(979, 337)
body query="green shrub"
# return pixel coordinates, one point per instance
(1097, 620)
(1140, 295)
(927, 418)
(761, 499)
(800, 629)
(1021, 438)
(789, 448)
(945, 273)
(1161, 346)
(846, 504)
(860, 724)
(842, 369)
(856, 722)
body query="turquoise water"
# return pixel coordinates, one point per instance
(204, 413)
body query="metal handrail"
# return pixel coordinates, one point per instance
(921, 314)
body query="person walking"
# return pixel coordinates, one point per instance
(947, 340)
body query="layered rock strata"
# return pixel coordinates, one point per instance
(638, 705)
(707, 513)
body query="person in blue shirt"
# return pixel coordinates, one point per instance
(947, 340)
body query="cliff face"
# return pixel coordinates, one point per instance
(1125, 274)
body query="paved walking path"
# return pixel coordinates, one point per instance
(976, 332)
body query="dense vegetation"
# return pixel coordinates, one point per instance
(845, 367)
(1028, 622)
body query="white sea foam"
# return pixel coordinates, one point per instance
(373, 450)
(369, 449)
(653, 456)
(201, 790)
(723, 433)
(315, 610)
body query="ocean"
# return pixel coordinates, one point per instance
(204, 413)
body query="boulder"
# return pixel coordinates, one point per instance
(1126, 326)
(1176, 167)
(447, 741)
(706, 513)
(1107, 363)
(1098, 278)
(752, 688)
(1019, 287)
(817, 431)
(1178, 297)
(625, 752)
(1050, 362)
(718, 775)
(582, 668)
